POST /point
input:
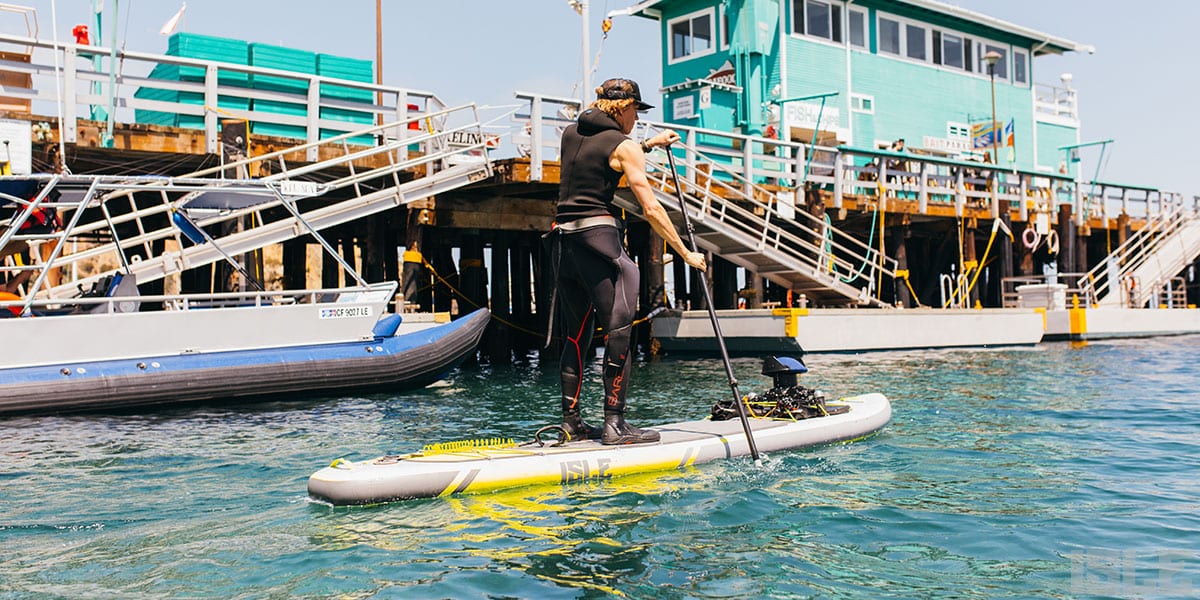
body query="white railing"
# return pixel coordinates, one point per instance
(769, 222)
(197, 301)
(125, 221)
(1054, 101)
(934, 183)
(1113, 280)
(214, 96)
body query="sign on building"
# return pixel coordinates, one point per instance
(804, 114)
(683, 107)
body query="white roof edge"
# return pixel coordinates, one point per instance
(646, 8)
(683, 85)
(1046, 39)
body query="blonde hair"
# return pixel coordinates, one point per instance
(611, 107)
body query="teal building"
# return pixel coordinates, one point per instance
(886, 69)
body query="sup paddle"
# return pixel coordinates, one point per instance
(712, 314)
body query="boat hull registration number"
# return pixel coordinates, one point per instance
(345, 312)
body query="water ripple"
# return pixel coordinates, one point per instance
(1052, 473)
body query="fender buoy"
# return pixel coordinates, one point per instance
(1052, 242)
(1030, 238)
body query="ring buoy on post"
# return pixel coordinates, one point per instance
(1031, 238)
(1052, 242)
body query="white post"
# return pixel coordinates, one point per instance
(68, 128)
(313, 125)
(535, 139)
(923, 196)
(210, 108)
(584, 93)
(1023, 210)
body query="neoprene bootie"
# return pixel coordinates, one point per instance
(578, 429)
(618, 432)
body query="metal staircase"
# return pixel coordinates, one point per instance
(1146, 263)
(752, 227)
(125, 222)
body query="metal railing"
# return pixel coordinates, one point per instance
(931, 182)
(1171, 294)
(1116, 279)
(321, 110)
(1074, 286)
(1054, 101)
(127, 220)
(768, 221)
(194, 301)
(754, 207)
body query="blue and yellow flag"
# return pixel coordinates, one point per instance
(982, 133)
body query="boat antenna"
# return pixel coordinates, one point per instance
(712, 315)
(58, 77)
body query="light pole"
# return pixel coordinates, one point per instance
(581, 7)
(379, 57)
(990, 58)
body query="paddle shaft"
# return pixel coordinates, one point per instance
(712, 312)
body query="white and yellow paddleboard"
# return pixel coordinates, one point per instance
(480, 468)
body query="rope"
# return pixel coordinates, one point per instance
(506, 322)
(828, 248)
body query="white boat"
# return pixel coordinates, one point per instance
(111, 347)
(793, 330)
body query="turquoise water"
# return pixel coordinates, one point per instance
(1049, 472)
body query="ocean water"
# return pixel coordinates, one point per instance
(1053, 472)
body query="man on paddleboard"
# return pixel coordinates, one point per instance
(597, 280)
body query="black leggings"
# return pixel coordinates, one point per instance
(596, 280)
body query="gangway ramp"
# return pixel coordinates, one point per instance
(240, 214)
(744, 223)
(1132, 274)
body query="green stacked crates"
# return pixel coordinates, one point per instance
(351, 69)
(191, 45)
(286, 59)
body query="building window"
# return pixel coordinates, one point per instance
(958, 131)
(915, 43)
(951, 50)
(691, 35)
(903, 38)
(862, 104)
(889, 36)
(1001, 65)
(858, 28)
(818, 18)
(1020, 67)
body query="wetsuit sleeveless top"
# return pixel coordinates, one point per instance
(587, 181)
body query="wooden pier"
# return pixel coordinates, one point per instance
(481, 245)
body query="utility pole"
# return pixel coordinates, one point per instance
(379, 57)
(581, 7)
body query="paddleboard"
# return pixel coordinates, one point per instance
(474, 469)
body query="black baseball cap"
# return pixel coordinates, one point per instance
(621, 89)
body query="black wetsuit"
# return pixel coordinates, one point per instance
(596, 277)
